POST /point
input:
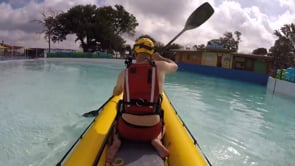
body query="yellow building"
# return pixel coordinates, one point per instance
(209, 57)
(226, 59)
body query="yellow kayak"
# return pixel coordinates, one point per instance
(90, 148)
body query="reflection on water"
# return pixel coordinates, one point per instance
(34, 65)
(8, 66)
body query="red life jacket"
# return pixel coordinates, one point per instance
(141, 89)
(140, 97)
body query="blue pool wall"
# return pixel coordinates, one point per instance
(240, 75)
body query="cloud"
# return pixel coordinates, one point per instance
(159, 19)
(288, 3)
(251, 22)
(162, 19)
(17, 26)
(249, 17)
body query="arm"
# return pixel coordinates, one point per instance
(165, 64)
(118, 89)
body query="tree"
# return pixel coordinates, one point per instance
(123, 22)
(228, 41)
(80, 20)
(97, 28)
(113, 23)
(50, 26)
(201, 46)
(260, 51)
(283, 50)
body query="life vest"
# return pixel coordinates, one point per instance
(140, 97)
(141, 89)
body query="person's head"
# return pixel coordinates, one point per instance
(144, 45)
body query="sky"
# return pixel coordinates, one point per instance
(161, 19)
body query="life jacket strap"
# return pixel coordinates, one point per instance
(121, 107)
(140, 103)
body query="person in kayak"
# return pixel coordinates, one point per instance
(140, 119)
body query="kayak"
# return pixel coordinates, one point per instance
(90, 148)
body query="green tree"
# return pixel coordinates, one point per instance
(201, 46)
(97, 28)
(80, 20)
(283, 50)
(231, 43)
(123, 22)
(50, 26)
(228, 41)
(111, 24)
(260, 51)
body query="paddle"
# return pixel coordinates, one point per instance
(197, 18)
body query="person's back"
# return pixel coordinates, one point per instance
(132, 123)
(139, 116)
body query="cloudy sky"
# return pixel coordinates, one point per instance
(162, 19)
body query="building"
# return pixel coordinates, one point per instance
(225, 63)
(208, 57)
(10, 50)
(225, 59)
(251, 62)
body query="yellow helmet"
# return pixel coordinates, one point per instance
(144, 45)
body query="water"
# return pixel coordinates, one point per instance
(41, 103)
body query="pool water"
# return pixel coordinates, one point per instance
(41, 102)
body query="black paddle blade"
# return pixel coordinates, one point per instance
(199, 16)
(91, 114)
(94, 113)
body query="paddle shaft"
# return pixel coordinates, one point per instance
(168, 44)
